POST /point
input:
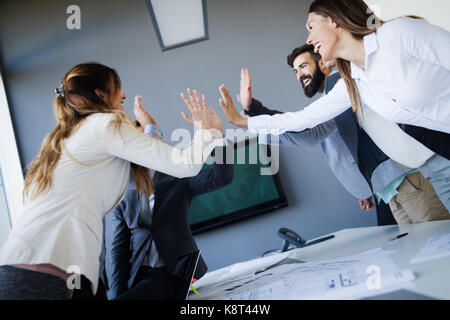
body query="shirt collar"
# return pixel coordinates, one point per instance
(370, 46)
(370, 43)
(333, 71)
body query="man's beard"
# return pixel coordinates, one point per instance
(316, 82)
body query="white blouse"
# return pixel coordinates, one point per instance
(64, 226)
(392, 140)
(406, 80)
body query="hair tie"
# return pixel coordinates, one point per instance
(60, 91)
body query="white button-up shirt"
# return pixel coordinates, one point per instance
(406, 80)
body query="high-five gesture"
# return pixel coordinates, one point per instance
(230, 110)
(245, 95)
(142, 116)
(203, 117)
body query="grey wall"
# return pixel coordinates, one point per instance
(37, 50)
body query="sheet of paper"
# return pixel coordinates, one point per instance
(363, 275)
(239, 270)
(435, 248)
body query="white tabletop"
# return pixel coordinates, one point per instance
(432, 277)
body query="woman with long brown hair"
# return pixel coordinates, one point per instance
(399, 69)
(81, 173)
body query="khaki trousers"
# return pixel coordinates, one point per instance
(417, 202)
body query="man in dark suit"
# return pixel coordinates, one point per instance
(146, 235)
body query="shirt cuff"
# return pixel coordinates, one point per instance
(264, 139)
(258, 125)
(153, 130)
(255, 123)
(223, 142)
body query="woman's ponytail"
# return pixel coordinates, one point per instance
(76, 100)
(40, 171)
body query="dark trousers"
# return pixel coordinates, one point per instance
(384, 215)
(85, 291)
(23, 284)
(152, 284)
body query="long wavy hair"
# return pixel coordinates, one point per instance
(76, 101)
(356, 17)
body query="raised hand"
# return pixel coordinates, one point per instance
(245, 95)
(366, 204)
(142, 116)
(230, 110)
(203, 117)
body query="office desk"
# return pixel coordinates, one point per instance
(432, 277)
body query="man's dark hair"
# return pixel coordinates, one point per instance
(298, 51)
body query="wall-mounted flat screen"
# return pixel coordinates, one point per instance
(251, 192)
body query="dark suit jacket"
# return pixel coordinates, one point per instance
(132, 232)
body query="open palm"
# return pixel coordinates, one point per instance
(203, 117)
(245, 95)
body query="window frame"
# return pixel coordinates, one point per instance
(180, 44)
(10, 165)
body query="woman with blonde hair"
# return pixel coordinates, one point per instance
(81, 173)
(399, 70)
